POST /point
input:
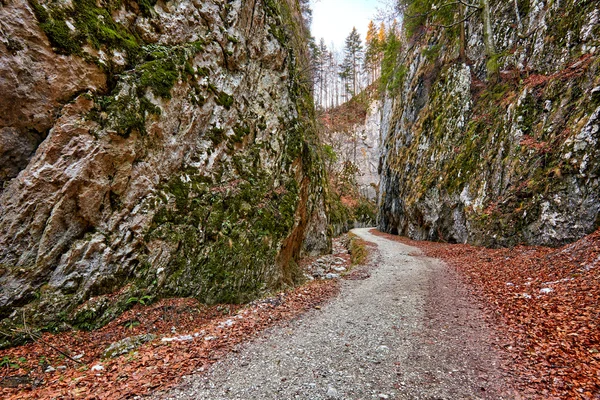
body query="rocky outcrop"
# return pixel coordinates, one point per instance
(359, 144)
(501, 158)
(36, 82)
(176, 155)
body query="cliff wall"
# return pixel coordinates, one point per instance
(502, 157)
(152, 149)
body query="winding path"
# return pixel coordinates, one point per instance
(410, 331)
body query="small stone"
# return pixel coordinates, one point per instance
(97, 367)
(546, 290)
(332, 393)
(183, 338)
(126, 345)
(332, 276)
(383, 396)
(49, 369)
(61, 367)
(383, 349)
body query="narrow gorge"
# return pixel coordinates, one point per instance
(190, 188)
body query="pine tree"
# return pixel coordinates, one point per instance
(381, 34)
(372, 52)
(322, 71)
(353, 55)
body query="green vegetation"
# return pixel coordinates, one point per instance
(392, 71)
(358, 250)
(237, 226)
(160, 75)
(92, 25)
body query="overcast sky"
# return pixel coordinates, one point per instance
(333, 19)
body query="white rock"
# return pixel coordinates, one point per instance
(182, 338)
(50, 368)
(383, 349)
(332, 393)
(546, 290)
(97, 367)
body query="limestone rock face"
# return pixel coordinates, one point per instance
(360, 145)
(176, 155)
(36, 82)
(497, 160)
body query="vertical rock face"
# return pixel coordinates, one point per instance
(501, 159)
(176, 158)
(360, 145)
(35, 83)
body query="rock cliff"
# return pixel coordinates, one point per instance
(350, 137)
(152, 149)
(496, 149)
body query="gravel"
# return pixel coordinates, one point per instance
(409, 331)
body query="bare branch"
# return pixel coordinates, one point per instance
(433, 10)
(457, 22)
(36, 337)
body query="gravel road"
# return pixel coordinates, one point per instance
(410, 331)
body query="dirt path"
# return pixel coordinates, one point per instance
(407, 332)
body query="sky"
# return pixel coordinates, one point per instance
(333, 19)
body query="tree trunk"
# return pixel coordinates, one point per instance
(488, 40)
(519, 23)
(463, 46)
(488, 33)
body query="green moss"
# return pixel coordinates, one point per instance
(240, 131)
(524, 7)
(358, 250)
(147, 7)
(203, 72)
(60, 37)
(432, 52)
(125, 113)
(225, 100)
(216, 135)
(160, 76)
(238, 230)
(93, 25)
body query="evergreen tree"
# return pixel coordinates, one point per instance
(314, 60)
(353, 55)
(381, 34)
(372, 52)
(323, 52)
